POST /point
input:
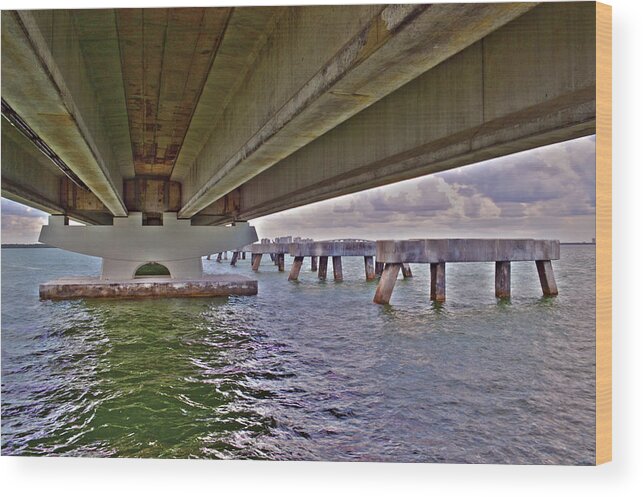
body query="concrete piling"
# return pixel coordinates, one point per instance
(243, 255)
(338, 274)
(438, 282)
(546, 275)
(313, 263)
(235, 257)
(256, 260)
(295, 269)
(281, 261)
(323, 267)
(387, 283)
(437, 252)
(503, 279)
(219, 256)
(406, 271)
(369, 269)
(379, 267)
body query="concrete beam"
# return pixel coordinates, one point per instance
(320, 66)
(466, 250)
(44, 79)
(152, 194)
(32, 179)
(528, 84)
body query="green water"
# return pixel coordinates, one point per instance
(304, 370)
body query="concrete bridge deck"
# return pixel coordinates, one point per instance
(242, 112)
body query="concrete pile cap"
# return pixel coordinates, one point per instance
(466, 250)
(333, 248)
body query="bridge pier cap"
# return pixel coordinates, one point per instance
(128, 244)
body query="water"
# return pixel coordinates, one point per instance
(309, 370)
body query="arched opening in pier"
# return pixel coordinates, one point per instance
(152, 270)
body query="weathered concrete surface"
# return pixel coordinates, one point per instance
(333, 248)
(369, 269)
(437, 252)
(387, 283)
(128, 244)
(503, 279)
(529, 83)
(546, 276)
(438, 282)
(29, 177)
(323, 65)
(323, 267)
(466, 250)
(166, 55)
(295, 269)
(45, 80)
(268, 248)
(206, 286)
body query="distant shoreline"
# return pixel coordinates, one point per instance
(25, 245)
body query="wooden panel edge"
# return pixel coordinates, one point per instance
(603, 233)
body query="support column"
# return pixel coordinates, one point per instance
(387, 283)
(323, 267)
(438, 281)
(281, 261)
(256, 260)
(219, 256)
(243, 255)
(272, 258)
(208, 257)
(235, 256)
(313, 263)
(337, 268)
(369, 269)
(296, 267)
(225, 255)
(546, 275)
(379, 267)
(503, 279)
(406, 271)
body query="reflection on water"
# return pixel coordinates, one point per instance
(307, 370)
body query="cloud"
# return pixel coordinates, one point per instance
(21, 224)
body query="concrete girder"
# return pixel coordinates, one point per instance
(45, 80)
(389, 49)
(30, 178)
(530, 83)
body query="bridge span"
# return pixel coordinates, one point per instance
(222, 115)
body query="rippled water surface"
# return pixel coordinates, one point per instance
(307, 370)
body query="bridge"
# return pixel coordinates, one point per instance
(212, 116)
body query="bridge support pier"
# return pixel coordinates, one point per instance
(295, 269)
(406, 271)
(503, 279)
(438, 282)
(387, 283)
(256, 260)
(235, 257)
(313, 263)
(379, 267)
(323, 267)
(369, 269)
(338, 274)
(546, 275)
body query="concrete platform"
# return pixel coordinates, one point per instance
(219, 285)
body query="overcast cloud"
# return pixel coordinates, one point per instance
(545, 193)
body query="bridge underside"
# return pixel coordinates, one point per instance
(228, 114)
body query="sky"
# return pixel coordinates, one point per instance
(547, 192)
